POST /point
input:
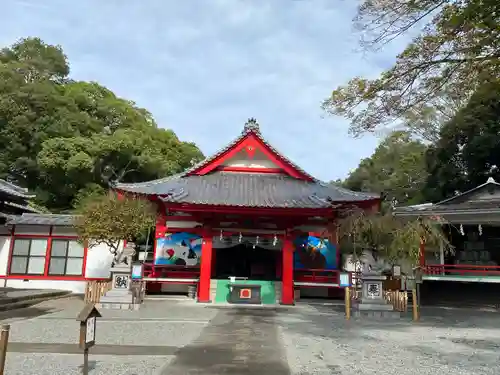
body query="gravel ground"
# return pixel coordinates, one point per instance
(319, 341)
(108, 332)
(169, 324)
(66, 364)
(158, 322)
(315, 339)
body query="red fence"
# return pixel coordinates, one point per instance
(461, 269)
(171, 272)
(177, 273)
(316, 276)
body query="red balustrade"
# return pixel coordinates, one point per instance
(319, 276)
(461, 269)
(169, 271)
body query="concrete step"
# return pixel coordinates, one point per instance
(376, 314)
(21, 299)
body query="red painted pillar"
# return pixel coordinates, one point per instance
(120, 196)
(160, 232)
(287, 297)
(422, 253)
(205, 267)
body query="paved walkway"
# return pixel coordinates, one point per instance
(238, 341)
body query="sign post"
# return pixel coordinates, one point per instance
(4, 341)
(87, 318)
(345, 282)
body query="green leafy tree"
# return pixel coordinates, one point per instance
(388, 236)
(127, 155)
(397, 169)
(66, 138)
(468, 150)
(456, 49)
(36, 61)
(109, 220)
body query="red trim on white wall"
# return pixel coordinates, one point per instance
(266, 211)
(46, 275)
(56, 278)
(253, 141)
(11, 247)
(251, 170)
(48, 251)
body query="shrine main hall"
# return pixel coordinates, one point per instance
(246, 225)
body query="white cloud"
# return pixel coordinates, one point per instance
(203, 67)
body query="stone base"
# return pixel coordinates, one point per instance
(118, 299)
(375, 307)
(119, 306)
(376, 314)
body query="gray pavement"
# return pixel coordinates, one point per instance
(182, 337)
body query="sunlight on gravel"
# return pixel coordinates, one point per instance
(320, 341)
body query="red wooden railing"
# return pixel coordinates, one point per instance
(320, 276)
(168, 271)
(461, 269)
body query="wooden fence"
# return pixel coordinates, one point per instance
(398, 299)
(95, 290)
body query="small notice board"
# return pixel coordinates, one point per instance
(345, 280)
(137, 271)
(90, 334)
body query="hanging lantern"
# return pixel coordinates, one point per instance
(462, 230)
(480, 229)
(240, 237)
(221, 236)
(257, 240)
(275, 240)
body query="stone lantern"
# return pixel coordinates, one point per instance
(120, 295)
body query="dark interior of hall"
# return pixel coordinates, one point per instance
(246, 260)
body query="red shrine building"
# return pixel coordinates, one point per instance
(245, 225)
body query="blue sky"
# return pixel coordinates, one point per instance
(202, 67)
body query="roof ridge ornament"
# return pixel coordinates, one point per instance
(251, 125)
(490, 180)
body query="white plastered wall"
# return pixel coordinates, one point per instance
(259, 160)
(4, 249)
(98, 262)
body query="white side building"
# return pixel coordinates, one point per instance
(41, 251)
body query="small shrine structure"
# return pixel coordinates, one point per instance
(471, 221)
(246, 225)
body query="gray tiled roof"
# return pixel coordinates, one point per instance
(247, 189)
(438, 208)
(23, 207)
(459, 202)
(14, 190)
(42, 219)
(460, 197)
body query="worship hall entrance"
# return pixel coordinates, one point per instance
(247, 261)
(248, 272)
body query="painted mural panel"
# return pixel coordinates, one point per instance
(178, 249)
(314, 253)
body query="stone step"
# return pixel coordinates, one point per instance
(12, 300)
(376, 314)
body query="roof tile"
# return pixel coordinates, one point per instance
(42, 219)
(248, 189)
(245, 189)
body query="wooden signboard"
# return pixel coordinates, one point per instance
(87, 318)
